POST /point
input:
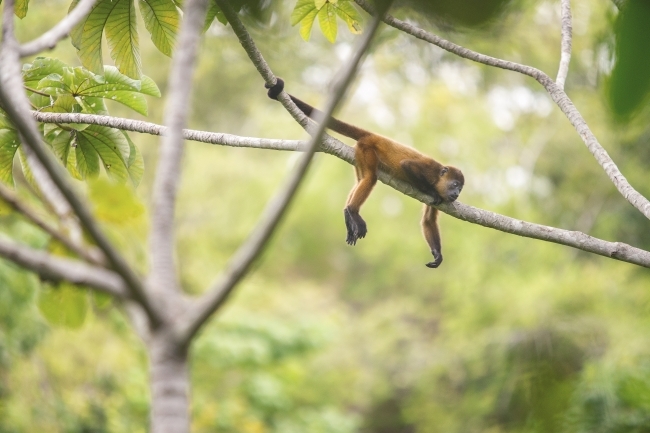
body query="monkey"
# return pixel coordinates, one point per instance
(373, 152)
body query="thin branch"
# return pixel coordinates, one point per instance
(49, 39)
(557, 94)
(154, 129)
(55, 268)
(90, 255)
(16, 105)
(163, 269)
(253, 246)
(332, 146)
(565, 58)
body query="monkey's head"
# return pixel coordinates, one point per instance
(450, 183)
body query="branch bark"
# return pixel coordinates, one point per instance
(49, 39)
(90, 255)
(565, 57)
(55, 268)
(252, 247)
(16, 105)
(163, 268)
(556, 93)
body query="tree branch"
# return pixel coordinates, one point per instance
(16, 105)
(252, 247)
(163, 268)
(49, 39)
(92, 256)
(332, 146)
(55, 268)
(565, 59)
(557, 94)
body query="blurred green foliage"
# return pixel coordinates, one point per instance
(509, 335)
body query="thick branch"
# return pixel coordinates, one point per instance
(566, 44)
(91, 256)
(616, 250)
(55, 268)
(557, 94)
(276, 208)
(163, 269)
(49, 39)
(16, 105)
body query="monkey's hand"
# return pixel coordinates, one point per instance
(276, 89)
(437, 260)
(355, 225)
(436, 198)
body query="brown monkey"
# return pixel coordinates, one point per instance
(373, 152)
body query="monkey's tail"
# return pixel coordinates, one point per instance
(334, 124)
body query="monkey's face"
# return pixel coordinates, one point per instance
(450, 184)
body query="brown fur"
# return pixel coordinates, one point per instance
(373, 152)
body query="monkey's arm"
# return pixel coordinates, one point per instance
(431, 233)
(413, 171)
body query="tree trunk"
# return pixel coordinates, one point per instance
(170, 385)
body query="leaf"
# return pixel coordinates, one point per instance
(349, 14)
(327, 21)
(301, 10)
(63, 304)
(135, 163)
(117, 18)
(629, 85)
(27, 170)
(116, 87)
(319, 3)
(114, 203)
(111, 147)
(40, 68)
(161, 18)
(307, 24)
(20, 8)
(9, 143)
(122, 38)
(149, 87)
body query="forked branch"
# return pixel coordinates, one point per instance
(556, 92)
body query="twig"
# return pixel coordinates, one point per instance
(15, 103)
(557, 94)
(565, 58)
(92, 256)
(163, 269)
(56, 268)
(253, 246)
(50, 38)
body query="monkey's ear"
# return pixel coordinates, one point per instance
(444, 170)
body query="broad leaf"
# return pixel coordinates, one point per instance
(327, 21)
(307, 24)
(319, 3)
(63, 304)
(302, 9)
(135, 163)
(162, 20)
(111, 147)
(116, 87)
(40, 68)
(20, 8)
(9, 144)
(350, 15)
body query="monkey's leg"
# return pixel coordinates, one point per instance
(366, 167)
(431, 233)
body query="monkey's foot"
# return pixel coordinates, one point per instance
(434, 264)
(355, 225)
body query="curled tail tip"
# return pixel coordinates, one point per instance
(275, 89)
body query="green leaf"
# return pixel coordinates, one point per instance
(63, 304)
(135, 163)
(20, 8)
(111, 147)
(40, 68)
(117, 18)
(116, 87)
(61, 145)
(9, 143)
(319, 3)
(122, 38)
(629, 85)
(327, 21)
(149, 87)
(349, 14)
(161, 18)
(27, 170)
(302, 10)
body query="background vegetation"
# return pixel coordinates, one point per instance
(508, 335)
